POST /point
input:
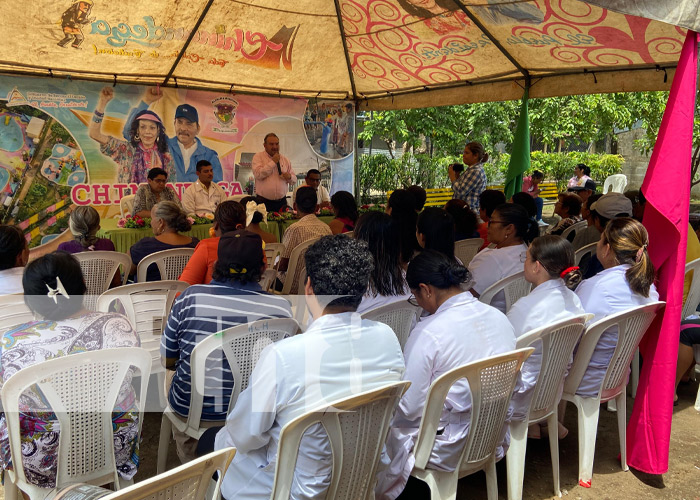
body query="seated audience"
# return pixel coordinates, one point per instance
(203, 196)
(147, 195)
(338, 270)
(402, 208)
(488, 201)
(307, 227)
(549, 266)
(591, 234)
(255, 213)
(233, 297)
(313, 180)
(228, 216)
(584, 192)
(434, 347)
(420, 196)
(53, 290)
(345, 211)
(435, 231)
(527, 202)
(531, 186)
(511, 230)
(84, 223)
(387, 281)
(465, 219)
(14, 253)
(626, 281)
(167, 221)
(568, 207)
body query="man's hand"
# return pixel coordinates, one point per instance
(276, 158)
(451, 173)
(152, 94)
(286, 176)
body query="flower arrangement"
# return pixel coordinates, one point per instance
(372, 207)
(133, 222)
(201, 219)
(280, 216)
(326, 212)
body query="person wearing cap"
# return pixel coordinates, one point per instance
(582, 173)
(186, 148)
(584, 192)
(273, 175)
(155, 191)
(313, 179)
(202, 197)
(145, 146)
(233, 297)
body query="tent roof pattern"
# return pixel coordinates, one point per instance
(382, 53)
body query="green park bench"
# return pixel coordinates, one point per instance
(439, 196)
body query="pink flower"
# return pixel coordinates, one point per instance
(121, 223)
(190, 220)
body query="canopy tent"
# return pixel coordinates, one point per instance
(382, 53)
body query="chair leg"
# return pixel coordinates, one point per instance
(11, 491)
(635, 373)
(491, 480)
(588, 413)
(166, 430)
(621, 401)
(443, 485)
(553, 429)
(515, 459)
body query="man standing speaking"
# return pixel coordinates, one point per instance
(273, 175)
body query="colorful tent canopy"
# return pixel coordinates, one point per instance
(382, 53)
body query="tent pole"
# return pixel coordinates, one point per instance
(345, 49)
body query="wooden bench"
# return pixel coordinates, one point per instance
(439, 196)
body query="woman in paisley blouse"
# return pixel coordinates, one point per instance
(53, 290)
(146, 149)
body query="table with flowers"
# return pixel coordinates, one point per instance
(123, 237)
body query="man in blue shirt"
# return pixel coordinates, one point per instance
(185, 148)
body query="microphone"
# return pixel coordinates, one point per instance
(279, 169)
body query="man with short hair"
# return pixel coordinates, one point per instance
(313, 179)
(154, 192)
(233, 298)
(186, 149)
(202, 197)
(14, 254)
(273, 175)
(338, 356)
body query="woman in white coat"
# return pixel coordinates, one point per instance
(434, 347)
(511, 230)
(626, 281)
(549, 266)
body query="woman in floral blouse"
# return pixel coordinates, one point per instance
(147, 149)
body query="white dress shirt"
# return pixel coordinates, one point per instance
(11, 280)
(198, 200)
(606, 293)
(547, 303)
(321, 194)
(187, 155)
(493, 264)
(296, 375)
(268, 183)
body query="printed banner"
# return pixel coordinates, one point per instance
(65, 143)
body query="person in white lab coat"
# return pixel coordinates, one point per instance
(626, 281)
(549, 266)
(338, 356)
(434, 347)
(511, 230)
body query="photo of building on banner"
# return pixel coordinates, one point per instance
(65, 144)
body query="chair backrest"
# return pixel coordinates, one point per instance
(570, 232)
(631, 325)
(13, 312)
(558, 342)
(350, 234)
(272, 252)
(465, 250)
(618, 183)
(82, 390)
(514, 287)
(491, 383)
(586, 250)
(186, 482)
(242, 346)
(170, 263)
(98, 270)
(357, 428)
(126, 205)
(294, 269)
(400, 316)
(692, 300)
(267, 279)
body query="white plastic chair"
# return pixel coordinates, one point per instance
(292, 283)
(617, 183)
(465, 250)
(147, 306)
(357, 428)
(170, 263)
(98, 270)
(586, 250)
(575, 228)
(186, 482)
(13, 312)
(515, 287)
(400, 316)
(82, 390)
(126, 205)
(631, 325)
(491, 382)
(242, 346)
(272, 253)
(557, 343)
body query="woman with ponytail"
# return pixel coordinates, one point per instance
(434, 347)
(511, 230)
(627, 280)
(84, 223)
(549, 266)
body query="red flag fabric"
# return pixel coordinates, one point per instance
(667, 190)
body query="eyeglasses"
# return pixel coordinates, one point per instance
(497, 222)
(412, 300)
